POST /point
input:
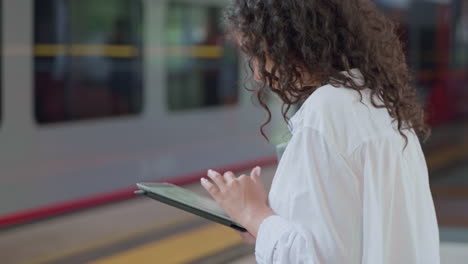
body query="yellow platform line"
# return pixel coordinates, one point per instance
(108, 241)
(181, 248)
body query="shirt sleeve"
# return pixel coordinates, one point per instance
(322, 225)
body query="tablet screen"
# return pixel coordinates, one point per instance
(184, 196)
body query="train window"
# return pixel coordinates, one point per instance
(202, 68)
(87, 59)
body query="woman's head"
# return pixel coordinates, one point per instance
(295, 46)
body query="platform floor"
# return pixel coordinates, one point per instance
(144, 231)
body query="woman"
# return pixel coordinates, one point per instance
(352, 185)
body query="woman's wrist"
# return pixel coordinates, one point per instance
(252, 224)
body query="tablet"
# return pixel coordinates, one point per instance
(188, 201)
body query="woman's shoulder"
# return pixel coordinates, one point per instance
(334, 105)
(344, 116)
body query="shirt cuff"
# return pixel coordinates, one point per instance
(269, 233)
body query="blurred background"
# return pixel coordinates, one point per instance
(96, 95)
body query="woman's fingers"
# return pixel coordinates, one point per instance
(229, 176)
(212, 189)
(255, 174)
(217, 178)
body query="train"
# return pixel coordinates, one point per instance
(98, 95)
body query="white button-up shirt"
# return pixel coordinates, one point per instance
(346, 192)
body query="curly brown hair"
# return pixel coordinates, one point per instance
(324, 38)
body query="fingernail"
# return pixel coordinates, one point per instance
(259, 170)
(203, 180)
(211, 172)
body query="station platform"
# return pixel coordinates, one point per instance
(142, 230)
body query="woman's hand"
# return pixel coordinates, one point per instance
(244, 198)
(247, 237)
